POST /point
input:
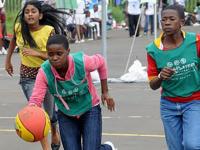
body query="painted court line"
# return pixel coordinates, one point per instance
(7, 117)
(110, 134)
(105, 134)
(134, 135)
(104, 117)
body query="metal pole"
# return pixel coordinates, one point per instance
(133, 43)
(155, 21)
(104, 30)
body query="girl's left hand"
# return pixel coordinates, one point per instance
(29, 52)
(109, 101)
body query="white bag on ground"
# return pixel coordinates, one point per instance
(136, 73)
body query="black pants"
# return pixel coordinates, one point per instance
(132, 24)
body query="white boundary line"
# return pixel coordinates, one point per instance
(133, 135)
(111, 134)
(104, 117)
(104, 134)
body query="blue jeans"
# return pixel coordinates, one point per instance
(181, 123)
(27, 85)
(82, 133)
(149, 19)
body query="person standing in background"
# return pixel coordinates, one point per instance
(133, 10)
(149, 17)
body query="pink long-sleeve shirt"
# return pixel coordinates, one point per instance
(95, 62)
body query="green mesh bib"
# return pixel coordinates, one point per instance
(72, 97)
(184, 61)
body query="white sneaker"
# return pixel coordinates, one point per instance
(82, 41)
(77, 41)
(111, 144)
(4, 51)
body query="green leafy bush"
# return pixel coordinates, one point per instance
(12, 7)
(117, 13)
(10, 18)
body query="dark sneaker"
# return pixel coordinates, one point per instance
(55, 146)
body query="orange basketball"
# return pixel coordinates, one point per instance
(32, 123)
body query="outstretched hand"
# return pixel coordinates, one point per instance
(109, 101)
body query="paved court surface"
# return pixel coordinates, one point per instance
(135, 125)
